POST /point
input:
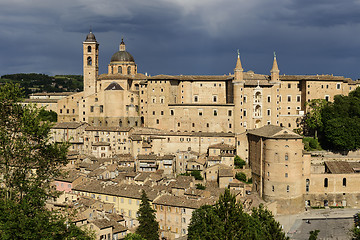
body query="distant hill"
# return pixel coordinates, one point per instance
(35, 82)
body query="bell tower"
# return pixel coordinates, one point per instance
(90, 64)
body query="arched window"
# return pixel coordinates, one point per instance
(129, 70)
(257, 111)
(112, 70)
(344, 182)
(326, 182)
(286, 157)
(120, 69)
(257, 97)
(287, 188)
(89, 61)
(120, 123)
(89, 49)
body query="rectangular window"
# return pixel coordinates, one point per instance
(101, 108)
(289, 98)
(338, 86)
(229, 113)
(298, 98)
(214, 98)
(244, 113)
(172, 112)
(269, 99)
(91, 108)
(268, 112)
(196, 98)
(215, 112)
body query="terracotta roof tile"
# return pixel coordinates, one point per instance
(272, 131)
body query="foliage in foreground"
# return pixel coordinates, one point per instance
(227, 220)
(28, 164)
(355, 233)
(148, 226)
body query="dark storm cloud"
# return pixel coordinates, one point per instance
(183, 36)
(320, 13)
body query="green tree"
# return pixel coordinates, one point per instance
(313, 118)
(205, 224)
(355, 233)
(148, 226)
(50, 116)
(341, 122)
(134, 236)
(270, 228)
(238, 162)
(227, 220)
(314, 234)
(28, 164)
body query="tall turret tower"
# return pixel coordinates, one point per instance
(90, 64)
(238, 89)
(275, 72)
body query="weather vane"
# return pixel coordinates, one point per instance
(238, 52)
(274, 54)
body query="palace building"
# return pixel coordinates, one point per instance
(233, 103)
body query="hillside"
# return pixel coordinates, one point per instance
(35, 82)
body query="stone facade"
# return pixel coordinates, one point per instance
(227, 103)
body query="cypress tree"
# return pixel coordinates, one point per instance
(148, 226)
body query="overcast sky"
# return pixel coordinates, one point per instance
(183, 36)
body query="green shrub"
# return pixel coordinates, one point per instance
(200, 186)
(240, 176)
(196, 174)
(311, 144)
(238, 162)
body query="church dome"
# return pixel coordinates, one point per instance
(122, 56)
(90, 37)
